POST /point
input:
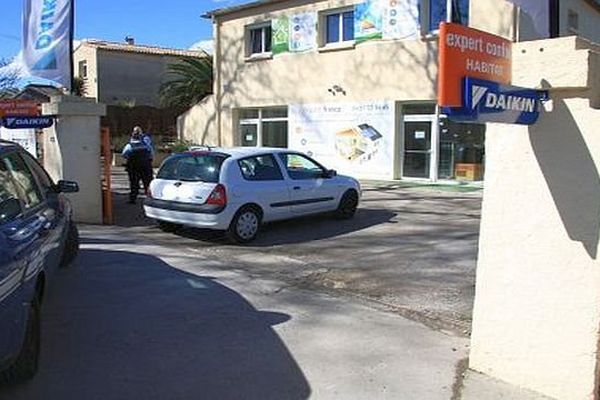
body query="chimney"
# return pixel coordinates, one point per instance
(130, 40)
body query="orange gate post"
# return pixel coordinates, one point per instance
(106, 155)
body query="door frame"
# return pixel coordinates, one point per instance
(433, 119)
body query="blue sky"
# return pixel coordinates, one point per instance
(171, 23)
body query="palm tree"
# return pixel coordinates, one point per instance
(190, 80)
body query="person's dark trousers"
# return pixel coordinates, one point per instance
(134, 174)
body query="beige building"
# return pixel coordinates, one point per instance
(300, 73)
(124, 73)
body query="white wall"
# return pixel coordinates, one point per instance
(536, 319)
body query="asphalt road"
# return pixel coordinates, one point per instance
(137, 319)
(411, 249)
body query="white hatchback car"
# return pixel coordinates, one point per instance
(237, 189)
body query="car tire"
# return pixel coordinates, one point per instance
(71, 245)
(245, 225)
(168, 227)
(348, 205)
(26, 364)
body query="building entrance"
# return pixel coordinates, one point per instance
(418, 149)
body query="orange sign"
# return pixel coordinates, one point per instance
(19, 108)
(469, 52)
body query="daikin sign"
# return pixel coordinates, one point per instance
(487, 101)
(474, 82)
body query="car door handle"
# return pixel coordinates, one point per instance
(297, 188)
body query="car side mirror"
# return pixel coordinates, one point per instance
(67, 187)
(330, 173)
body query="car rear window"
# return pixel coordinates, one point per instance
(192, 168)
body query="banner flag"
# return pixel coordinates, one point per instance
(47, 39)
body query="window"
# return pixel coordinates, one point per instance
(300, 167)
(573, 21)
(264, 127)
(83, 72)
(260, 168)
(339, 27)
(437, 13)
(189, 168)
(42, 176)
(259, 39)
(24, 181)
(10, 206)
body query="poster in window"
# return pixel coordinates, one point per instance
(368, 20)
(401, 19)
(354, 138)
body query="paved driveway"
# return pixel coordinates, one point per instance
(133, 319)
(410, 248)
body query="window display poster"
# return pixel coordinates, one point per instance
(24, 137)
(368, 20)
(401, 19)
(281, 35)
(294, 33)
(354, 138)
(303, 31)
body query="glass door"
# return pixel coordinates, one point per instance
(417, 147)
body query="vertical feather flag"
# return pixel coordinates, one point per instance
(47, 39)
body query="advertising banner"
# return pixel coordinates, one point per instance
(47, 39)
(296, 33)
(303, 31)
(486, 101)
(19, 108)
(353, 138)
(368, 20)
(281, 35)
(468, 52)
(24, 137)
(401, 19)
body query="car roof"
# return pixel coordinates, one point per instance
(6, 145)
(239, 152)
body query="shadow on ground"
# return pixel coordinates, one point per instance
(301, 230)
(122, 325)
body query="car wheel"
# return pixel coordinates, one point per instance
(348, 204)
(245, 225)
(71, 245)
(168, 227)
(26, 364)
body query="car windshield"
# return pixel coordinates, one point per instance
(192, 168)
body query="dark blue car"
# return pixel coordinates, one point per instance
(36, 236)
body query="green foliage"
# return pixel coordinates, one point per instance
(79, 88)
(179, 146)
(189, 81)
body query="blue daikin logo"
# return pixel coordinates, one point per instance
(45, 38)
(486, 101)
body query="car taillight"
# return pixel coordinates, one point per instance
(218, 196)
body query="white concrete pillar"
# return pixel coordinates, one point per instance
(72, 151)
(536, 319)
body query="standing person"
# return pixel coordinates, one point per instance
(146, 139)
(138, 158)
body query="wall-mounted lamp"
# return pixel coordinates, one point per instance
(335, 89)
